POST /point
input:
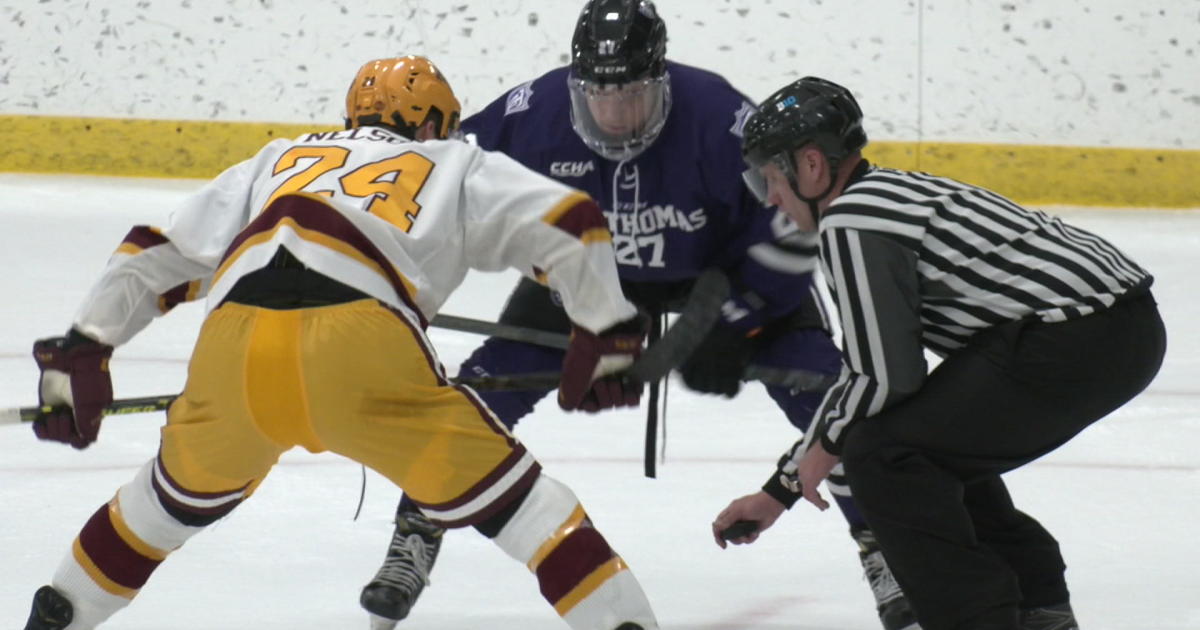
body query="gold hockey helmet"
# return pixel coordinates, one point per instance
(403, 93)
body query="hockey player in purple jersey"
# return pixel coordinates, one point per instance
(657, 145)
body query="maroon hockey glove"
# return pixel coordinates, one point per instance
(75, 381)
(591, 378)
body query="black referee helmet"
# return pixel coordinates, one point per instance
(808, 110)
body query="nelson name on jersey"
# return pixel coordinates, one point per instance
(358, 133)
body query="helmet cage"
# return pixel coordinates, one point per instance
(619, 121)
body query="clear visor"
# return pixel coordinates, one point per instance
(619, 121)
(756, 182)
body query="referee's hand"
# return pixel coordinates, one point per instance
(813, 468)
(759, 507)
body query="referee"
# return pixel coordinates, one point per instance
(1043, 328)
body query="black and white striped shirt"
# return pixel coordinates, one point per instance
(916, 261)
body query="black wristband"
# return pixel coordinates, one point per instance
(780, 492)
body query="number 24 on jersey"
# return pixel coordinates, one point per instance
(392, 183)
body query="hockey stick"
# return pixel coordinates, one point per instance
(695, 320)
(654, 363)
(650, 457)
(149, 404)
(791, 378)
(504, 331)
(697, 316)
(678, 348)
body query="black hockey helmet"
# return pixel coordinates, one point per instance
(620, 90)
(807, 110)
(619, 41)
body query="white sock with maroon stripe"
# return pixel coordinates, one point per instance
(133, 534)
(91, 604)
(579, 574)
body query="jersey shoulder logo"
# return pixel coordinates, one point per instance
(740, 117)
(571, 169)
(518, 98)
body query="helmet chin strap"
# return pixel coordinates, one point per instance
(812, 202)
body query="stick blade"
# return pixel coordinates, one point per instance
(698, 316)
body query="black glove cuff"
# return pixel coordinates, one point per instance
(76, 338)
(636, 325)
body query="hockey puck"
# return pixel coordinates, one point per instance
(740, 529)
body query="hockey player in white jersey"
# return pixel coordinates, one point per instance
(322, 259)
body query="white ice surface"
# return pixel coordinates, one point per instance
(1123, 498)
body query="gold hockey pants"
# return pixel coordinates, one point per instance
(356, 379)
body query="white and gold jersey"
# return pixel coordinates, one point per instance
(401, 221)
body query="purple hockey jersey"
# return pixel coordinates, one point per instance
(677, 208)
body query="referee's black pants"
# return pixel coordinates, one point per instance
(926, 473)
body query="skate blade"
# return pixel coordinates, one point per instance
(383, 623)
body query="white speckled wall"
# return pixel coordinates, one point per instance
(1062, 72)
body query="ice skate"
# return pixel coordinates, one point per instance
(894, 611)
(51, 611)
(405, 572)
(1057, 617)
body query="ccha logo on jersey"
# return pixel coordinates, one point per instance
(571, 169)
(518, 99)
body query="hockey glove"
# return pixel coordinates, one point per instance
(717, 364)
(75, 381)
(591, 377)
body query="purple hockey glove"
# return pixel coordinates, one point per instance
(75, 381)
(590, 373)
(717, 364)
